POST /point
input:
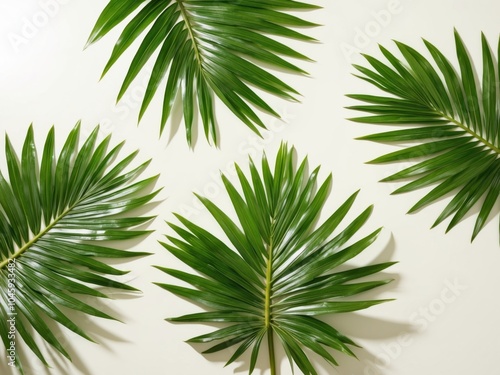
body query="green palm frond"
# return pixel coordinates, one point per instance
(208, 48)
(454, 119)
(278, 272)
(52, 218)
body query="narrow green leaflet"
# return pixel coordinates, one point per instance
(452, 112)
(53, 216)
(275, 274)
(207, 48)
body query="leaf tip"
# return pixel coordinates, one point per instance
(412, 209)
(88, 43)
(362, 138)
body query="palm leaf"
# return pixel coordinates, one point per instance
(52, 218)
(207, 47)
(454, 120)
(277, 274)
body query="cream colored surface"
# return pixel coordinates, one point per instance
(445, 318)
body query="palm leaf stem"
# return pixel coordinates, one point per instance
(470, 131)
(267, 306)
(28, 244)
(272, 356)
(189, 28)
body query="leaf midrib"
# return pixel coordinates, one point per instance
(30, 243)
(267, 301)
(190, 30)
(269, 275)
(471, 132)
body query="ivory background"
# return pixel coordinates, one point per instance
(50, 80)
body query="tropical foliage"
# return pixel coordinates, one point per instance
(53, 217)
(451, 123)
(208, 47)
(278, 273)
